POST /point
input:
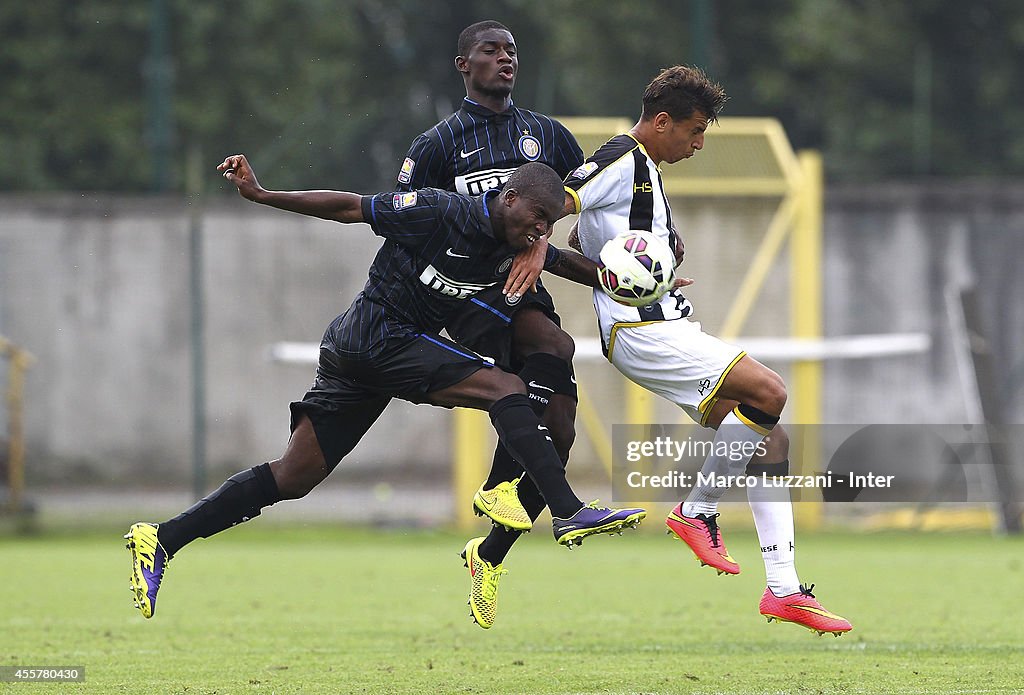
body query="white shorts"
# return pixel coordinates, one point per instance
(674, 359)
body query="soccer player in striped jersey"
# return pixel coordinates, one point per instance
(472, 151)
(439, 250)
(660, 348)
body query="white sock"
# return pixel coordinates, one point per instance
(773, 517)
(733, 447)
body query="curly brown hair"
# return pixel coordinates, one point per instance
(681, 90)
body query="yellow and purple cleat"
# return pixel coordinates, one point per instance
(591, 520)
(702, 534)
(501, 505)
(804, 610)
(149, 561)
(483, 596)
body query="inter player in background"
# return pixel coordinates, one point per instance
(471, 151)
(660, 348)
(439, 250)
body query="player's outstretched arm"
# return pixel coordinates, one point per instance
(576, 267)
(338, 206)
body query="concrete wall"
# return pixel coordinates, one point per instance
(97, 287)
(895, 257)
(98, 290)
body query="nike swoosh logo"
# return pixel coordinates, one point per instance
(823, 613)
(679, 520)
(467, 155)
(483, 502)
(535, 385)
(452, 253)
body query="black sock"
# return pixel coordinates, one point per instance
(239, 499)
(544, 376)
(503, 467)
(522, 433)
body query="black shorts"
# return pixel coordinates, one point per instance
(348, 395)
(485, 325)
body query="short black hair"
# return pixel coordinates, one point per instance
(681, 90)
(537, 181)
(468, 37)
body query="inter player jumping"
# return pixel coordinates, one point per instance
(439, 250)
(474, 150)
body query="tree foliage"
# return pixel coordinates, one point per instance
(329, 93)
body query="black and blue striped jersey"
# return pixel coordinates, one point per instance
(439, 250)
(476, 150)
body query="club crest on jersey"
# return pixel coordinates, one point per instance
(503, 267)
(405, 175)
(529, 146)
(403, 200)
(584, 171)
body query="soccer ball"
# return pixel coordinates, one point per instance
(638, 268)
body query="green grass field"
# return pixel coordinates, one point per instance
(314, 609)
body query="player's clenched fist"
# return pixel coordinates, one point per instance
(237, 170)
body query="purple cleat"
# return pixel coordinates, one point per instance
(591, 520)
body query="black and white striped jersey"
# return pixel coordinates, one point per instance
(439, 250)
(617, 189)
(476, 150)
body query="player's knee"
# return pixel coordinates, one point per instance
(560, 344)
(534, 332)
(505, 384)
(295, 479)
(773, 395)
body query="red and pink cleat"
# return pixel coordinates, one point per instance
(701, 533)
(803, 609)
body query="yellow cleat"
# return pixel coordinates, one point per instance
(483, 597)
(501, 505)
(149, 561)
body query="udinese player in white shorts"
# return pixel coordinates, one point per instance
(662, 349)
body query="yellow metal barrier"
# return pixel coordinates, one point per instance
(472, 457)
(805, 296)
(759, 268)
(19, 361)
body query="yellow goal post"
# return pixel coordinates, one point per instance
(18, 361)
